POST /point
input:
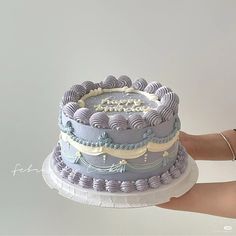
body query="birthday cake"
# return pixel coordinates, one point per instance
(119, 145)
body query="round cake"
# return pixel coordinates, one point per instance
(119, 140)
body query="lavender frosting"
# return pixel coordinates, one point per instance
(152, 87)
(86, 181)
(124, 186)
(99, 184)
(166, 178)
(127, 186)
(112, 186)
(171, 100)
(175, 172)
(70, 96)
(79, 89)
(70, 108)
(88, 85)
(99, 120)
(141, 184)
(136, 121)
(166, 96)
(154, 181)
(162, 91)
(124, 80)
(153, 117)
(166, 112)
(140, 84)
(83, 115)
(74, 177)
(98, 126)
(118, 122)
(111, 82)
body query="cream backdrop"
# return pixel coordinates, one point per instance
(46, 46)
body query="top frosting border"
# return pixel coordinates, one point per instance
(72, 103)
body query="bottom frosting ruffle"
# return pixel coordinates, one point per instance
(96, 184)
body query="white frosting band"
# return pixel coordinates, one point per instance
(120, 153)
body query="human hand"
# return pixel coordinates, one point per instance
(209, 198)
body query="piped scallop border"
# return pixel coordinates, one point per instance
(99, 184)
(72, 104)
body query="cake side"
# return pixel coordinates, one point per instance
(117, 130)
(127, 186)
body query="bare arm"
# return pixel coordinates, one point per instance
(209, 146)
(210, 198)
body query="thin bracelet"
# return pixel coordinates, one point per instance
(229, 145)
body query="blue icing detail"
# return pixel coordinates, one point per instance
(132, 146)
(105, 140)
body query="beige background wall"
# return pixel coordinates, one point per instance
(46, 46)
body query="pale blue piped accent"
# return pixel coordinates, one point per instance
(119, 167)
(105, 140)
(113, 186)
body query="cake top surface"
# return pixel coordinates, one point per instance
(120, 104)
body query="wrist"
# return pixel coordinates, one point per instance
(230, 139)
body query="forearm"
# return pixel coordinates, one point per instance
(210, 198)
(209, 146)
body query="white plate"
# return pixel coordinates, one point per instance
(150, 197)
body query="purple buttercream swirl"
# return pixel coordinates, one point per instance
(110, 82)
(79, 89)
(99, 184)
(112, 186)
(152, 87)
(141, 184)
(153, 117)
(88, 85)
(86, 181)
(70, 96)
(162, 91)
(182, 151)
(136, 121)
(74, 177)
(60, 165)
(97, 85)
(154, 181)
(166, 112)
(118, 122)
(56, 159)
(83, 115)
(174, 172)
(71, 93)
(57, 150)
(70, 108)
(127, 186)
(140, 84)
(65, 172)
(99, 120)
(181, 165)
(123, 81)
(166, 178)
(171, 100)
(182, 157)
